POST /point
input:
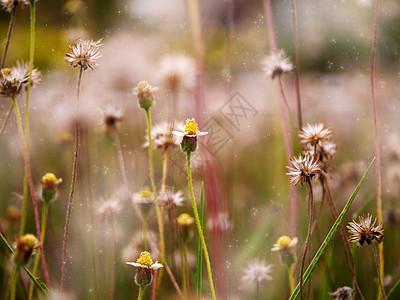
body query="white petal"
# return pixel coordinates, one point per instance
(137, 265)
(156, 266)
(199, 133)
(178, 133)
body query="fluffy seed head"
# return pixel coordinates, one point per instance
(12, 81)
(257, 271)
(8, 5)
(343, 293)
(276, 64)
(314, 134)
(303, 169)
(85, 54)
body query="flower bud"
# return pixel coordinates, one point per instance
(26, 246)
(189, 144)
(143, 277)
(185, 222)
(49, 184)
(144, 91)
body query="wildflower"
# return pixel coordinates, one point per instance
(276, 64)
(343, 293)
(185, 222)
(162, 137)
(23, 70)
(177, 72)
(111, 117)
(189, 134)
(84, 54)
(256, 272)
(8, 5)
(171, 199)
(49, 183)
(365, 231)
(145, 91)
(145, 268)
(25, 247)
(12, 81)
(303, 170)
(109, 207)
(13, 215)
(284, 245)
(314, 134)
(145, 198)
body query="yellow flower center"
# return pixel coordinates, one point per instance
(145, 194)
(145, 259)
(284, 241)
(29, 241)
(6, 71)
(191, 127)
(185, 220)
(49, 178)
(142, 85)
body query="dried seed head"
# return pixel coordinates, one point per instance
(343, 293)
(111, 117)
(365, 231)
(85, 54)
(303, 169)
(8, 5)
(276, 64)
(314, 134)
(109, 207)
(12, 81)
(171, 199)
(162, 137)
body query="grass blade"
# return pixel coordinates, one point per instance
(199, 247)
(329, 236)
(395, 291)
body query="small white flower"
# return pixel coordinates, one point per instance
(144, 196)
(284, 242)
(145, 262)
(190, 129)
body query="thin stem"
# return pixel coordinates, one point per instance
(378, 270)
(307, 242)
(286, 132)
(186, 265)
(32, 189)
(257, 290)
(3, 127)
(146, 227)
(28, 91)
(296, 47)
(196, 216)
(14, 277)
(290, 277)
(184, 284)
(141, 292)
(72, 187)
(10, 28)
(113, 256)
(346, 246)
(376, 139)
(45, 210)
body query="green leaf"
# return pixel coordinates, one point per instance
(331, 233)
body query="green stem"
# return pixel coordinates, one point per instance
(185, 262)
(28, 90)
(14, 278)
(31, 188)
(141, 292)
(290, 276)
(196, 216)
(45, 210)
(158, 213)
